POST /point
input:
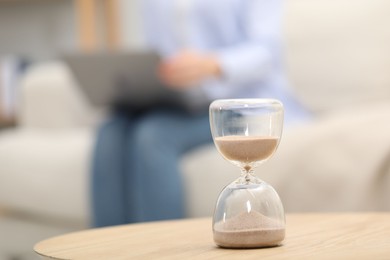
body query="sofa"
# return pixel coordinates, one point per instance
(338, 62)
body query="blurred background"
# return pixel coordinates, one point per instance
(338, 63)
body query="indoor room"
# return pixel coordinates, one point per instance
(181, 129)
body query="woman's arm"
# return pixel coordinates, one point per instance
(249, 60)
(253, 58)
(188, 68)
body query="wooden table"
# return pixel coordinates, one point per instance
(309, 236)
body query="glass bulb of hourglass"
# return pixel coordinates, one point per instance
(246, 151)
(248, 212)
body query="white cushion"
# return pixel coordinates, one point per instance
(338, 51)
(51, 98)
(46, 172)
(349, 172)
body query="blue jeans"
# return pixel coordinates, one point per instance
(135, 175)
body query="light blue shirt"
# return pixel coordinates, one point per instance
(245, 35)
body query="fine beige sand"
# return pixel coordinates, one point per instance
(248, 230)
(246, 149)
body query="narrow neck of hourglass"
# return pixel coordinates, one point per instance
(247, 177)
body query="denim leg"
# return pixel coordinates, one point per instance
(157, 141)
(108, 169)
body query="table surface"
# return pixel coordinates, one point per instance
(308, 236)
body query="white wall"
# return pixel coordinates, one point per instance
(37, 29)
(41, 29)
(130, 19)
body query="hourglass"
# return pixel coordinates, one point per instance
(248, 213)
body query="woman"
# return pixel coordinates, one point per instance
(216, 49)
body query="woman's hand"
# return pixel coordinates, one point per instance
(187, 68)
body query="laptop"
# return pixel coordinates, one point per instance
(123, 78)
